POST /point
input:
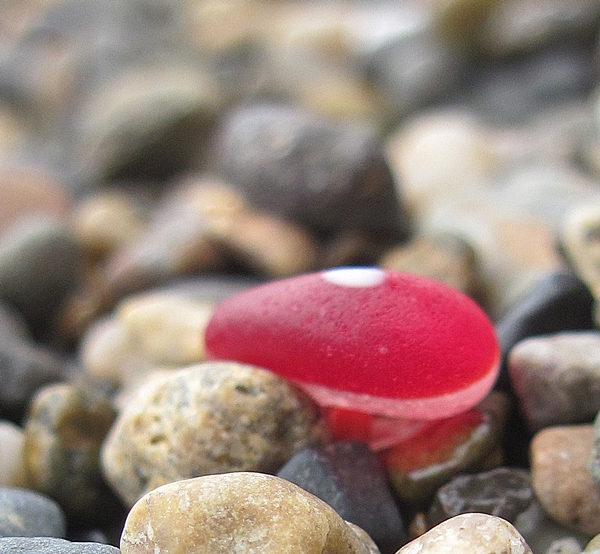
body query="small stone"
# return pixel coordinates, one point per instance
(564, 367)
(205, 419)
(326, 176)
(353, 336)
(25, 367)
(40, 263)
(248, 238)
(236, 512)
(561, 479)
(107, 221)
(502, 492)
(540, 530)
(594, 544)
(579, 240)
(445, 258)
(165, 327)
(12, 440)
(349, 477)
(558, 302)
(40, 545)
(146, 122)
(440, 450)
(567, 545)
(64, 431)
(27, 192)
(24, 513)
(474, 533)
(414, 70)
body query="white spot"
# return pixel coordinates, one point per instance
(355, 276)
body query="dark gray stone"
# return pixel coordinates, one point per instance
(502, 492)
(39, 545)
(347, 475)
(328, 176)
(24, 513)
(40, 263)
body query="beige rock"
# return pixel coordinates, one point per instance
(245, 513)
(268, 245)
(165, 327)
(209, 418)
(473, 533)
(12, 440)
(561, 480)
(107, 221)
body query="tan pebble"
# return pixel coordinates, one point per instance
(107, 354)
(107, 221)
(209, 418)
(245, 513)
(12, 441)
(268, 245)
(167, 328)
(561, 480)
(473, 533)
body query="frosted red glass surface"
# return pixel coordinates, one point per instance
(364, 339)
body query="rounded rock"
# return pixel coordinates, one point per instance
(364, 338)
(236, 512)
(63, 434)
(12, 440)
(205, 419)
(24, 513)
(473, 533)
(43, 545)
(561, 479)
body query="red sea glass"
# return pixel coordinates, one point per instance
(364, 339)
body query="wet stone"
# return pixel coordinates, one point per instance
(25, 513)
(41, 545)
(241, 512)
(561, 479)
(475, 533)
(564, 367)
(503, 492)
(349, 477)
(209, 418)
(327, 176)
(64, 431)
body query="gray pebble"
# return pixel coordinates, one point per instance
(24, 513)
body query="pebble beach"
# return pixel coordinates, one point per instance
(299, 276)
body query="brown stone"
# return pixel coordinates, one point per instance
(242, 512)
(561, 480)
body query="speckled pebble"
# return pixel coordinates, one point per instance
(208, 418)
(561, 480)
(64, 430)
(25, 513)
(473, 533)
(236, 512)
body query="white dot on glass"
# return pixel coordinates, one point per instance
(355, 276)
